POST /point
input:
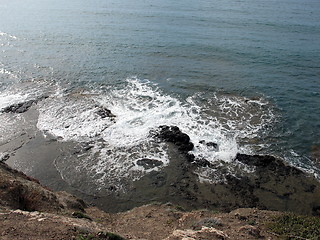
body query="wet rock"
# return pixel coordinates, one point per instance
(202, 163)
(4, 157)
(174, 135)
(315, 154)
(19, 107)
(158, 179)
(255, 160)
(211, 145)
(104, 112)
(22, 107)
(88, 147)
(266, 162)
(149, 163)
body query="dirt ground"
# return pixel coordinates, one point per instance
(149, 222)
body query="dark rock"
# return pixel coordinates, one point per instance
(209, 144)
(255, 160)
(4, 157)
(104, 112)
(22, 107)
(202, 163)
(316, 211)
(149, 163)
(112, 188)
(158, 179)
(88, 147)
(310, 188)
(174, 135)
(19, 107)
(266, 162)
(190, 157)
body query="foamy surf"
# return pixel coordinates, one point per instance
(140, 107)
(111, 149)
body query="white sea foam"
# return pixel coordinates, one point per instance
(139, 108)
(118, 143)
(8, 73)
(7, 35)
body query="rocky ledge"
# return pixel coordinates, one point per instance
(47, 215)
(270, 184)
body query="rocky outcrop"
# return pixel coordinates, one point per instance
(172, 134)
(18, 191)
(149, 163)
(104, 113)
(23, 106)
(268, 183)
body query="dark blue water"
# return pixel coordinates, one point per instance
(247, 48)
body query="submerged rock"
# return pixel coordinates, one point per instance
(149, 163)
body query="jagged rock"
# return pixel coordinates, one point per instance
(174, 135)
(104, 112)
(22, 107)
(264, 162)
(210, 144)
(252, 230)
(4, 157)
(149, 163)
(19, 107)
(207, 222)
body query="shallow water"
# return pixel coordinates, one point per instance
(243, 74)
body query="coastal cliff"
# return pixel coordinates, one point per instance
(29, 210)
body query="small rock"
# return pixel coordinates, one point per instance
(209, 144)
(19, 107)
(4, 157)
(252, 230)
(207, 222)
(22, 107)
(149, 163)
(104, 112)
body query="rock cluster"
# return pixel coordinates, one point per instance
(23, 106)
(104, 113)
(174, 135)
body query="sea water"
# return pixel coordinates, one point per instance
(243, 74)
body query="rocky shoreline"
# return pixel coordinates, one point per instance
(269, 184)
(231, 205)
(31, 211)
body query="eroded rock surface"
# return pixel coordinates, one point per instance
(18, 191)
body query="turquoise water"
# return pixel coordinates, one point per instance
(251, 49)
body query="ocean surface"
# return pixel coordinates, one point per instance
(244, 74)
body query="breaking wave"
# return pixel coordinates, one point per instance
(109, 147)
(117, 143)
